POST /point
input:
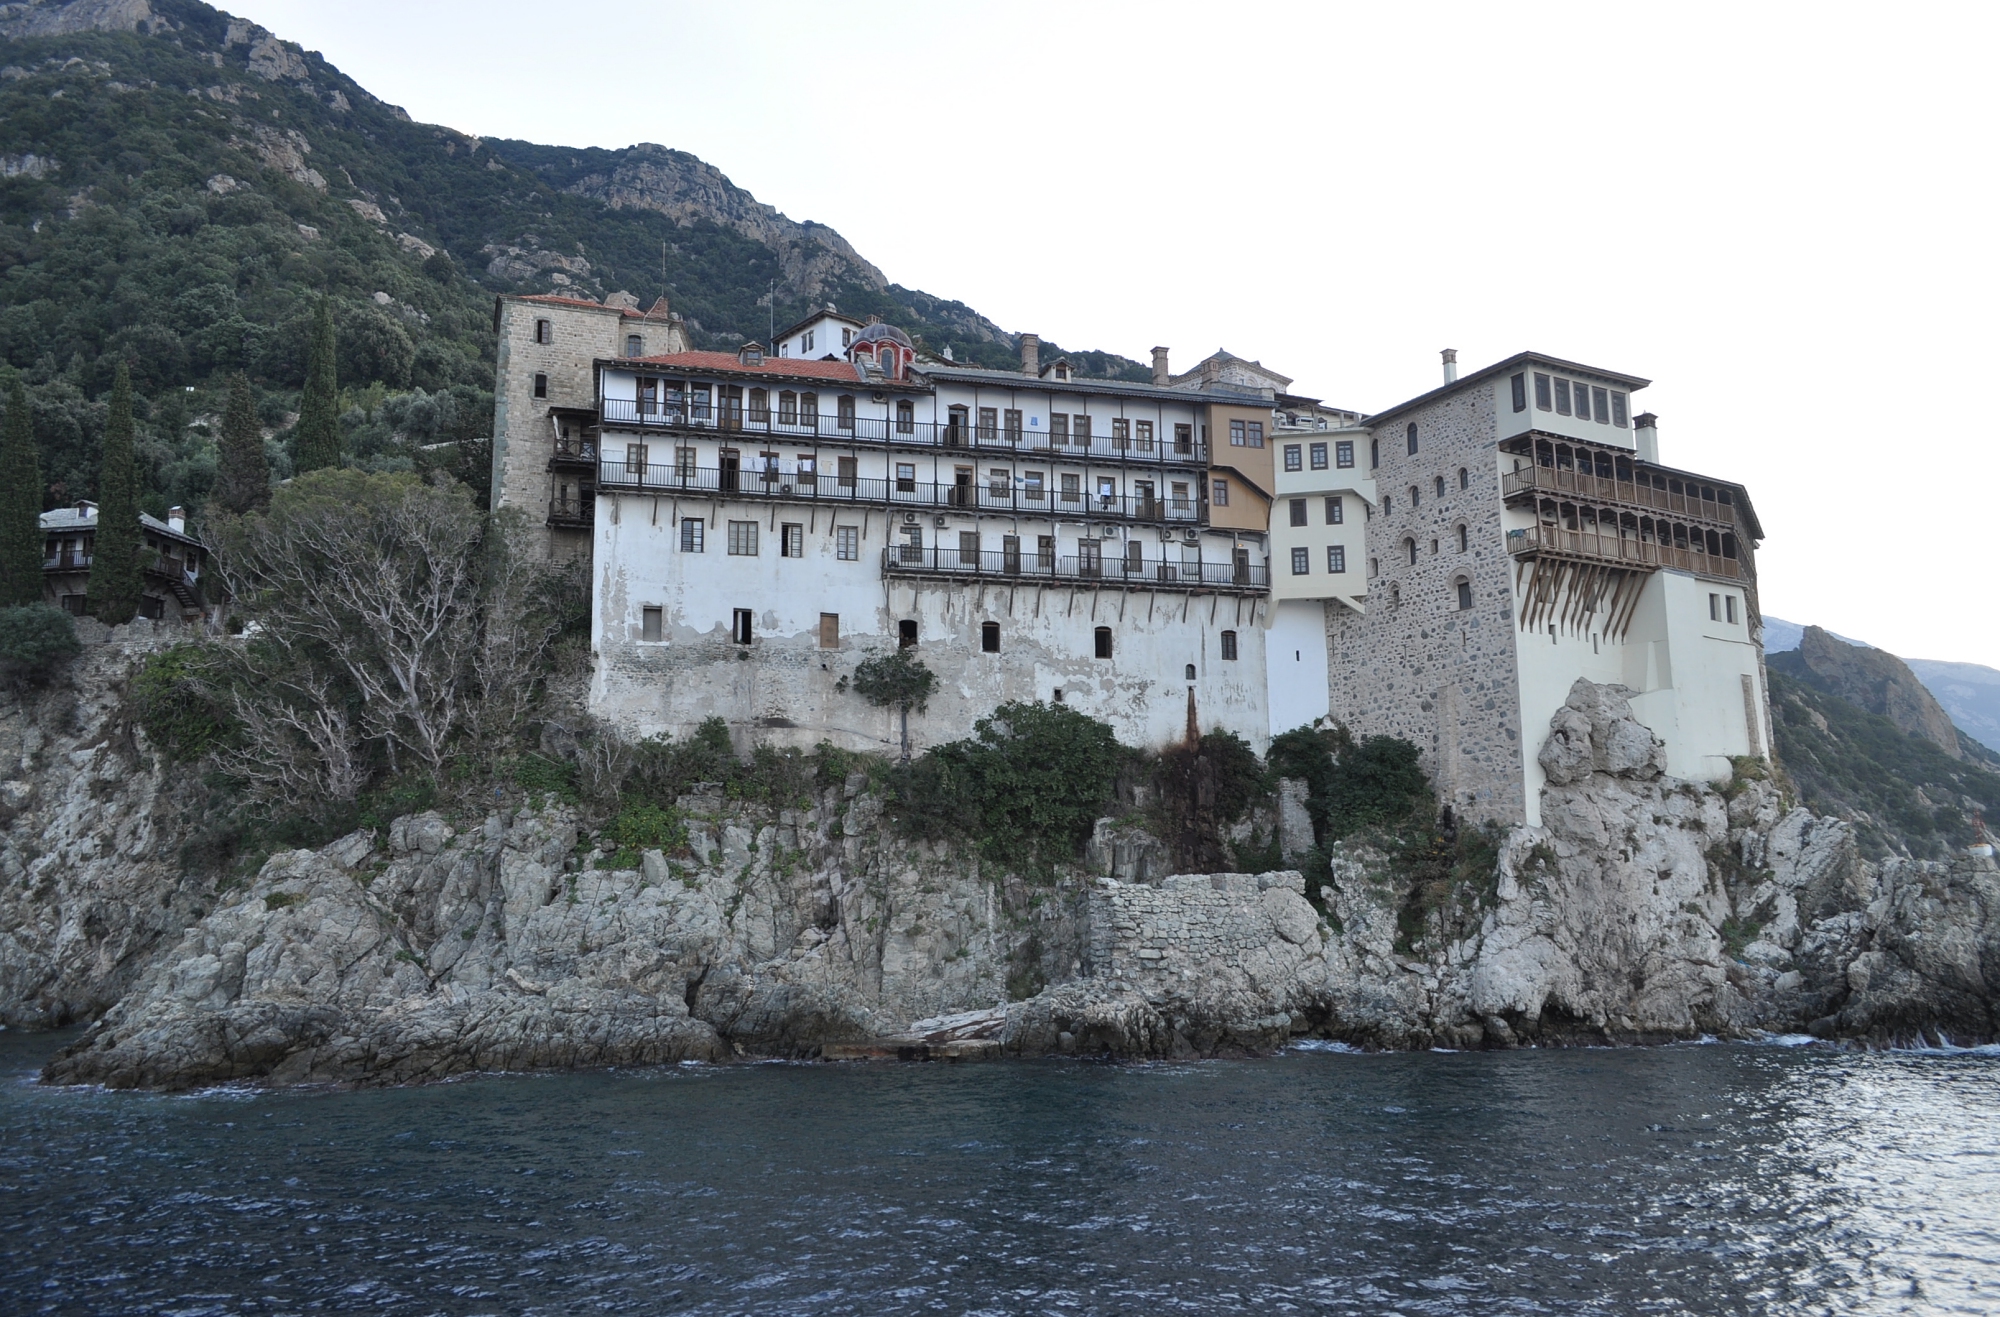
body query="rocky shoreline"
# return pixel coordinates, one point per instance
(1643, 910)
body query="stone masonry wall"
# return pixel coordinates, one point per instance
(522, 436)
(1169, 939)
(1417, 666)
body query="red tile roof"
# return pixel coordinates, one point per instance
(797, 367)
(557, 299)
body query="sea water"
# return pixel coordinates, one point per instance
(1689, 1179)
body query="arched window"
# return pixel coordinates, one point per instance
(1437, 487)
(1464, 478)
(1386, 508)
(632, 347)
(1229, 646)
(1374, 453)
(1464, 595)
(1410, 551)
(1104, 642)
(788, 408)
(1410, 435)
(1463, 536)
(1413, 496)
(1190, 672)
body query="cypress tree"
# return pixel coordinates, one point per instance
(317, 441)
(20, 504)
(114, 562)
(242, 480)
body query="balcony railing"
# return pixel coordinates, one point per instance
(836, 428)
(571, 512)
(1620, 550)
(1029, 565)
(820, 487)
(1539, 479)
(66, 561)
(574, 452)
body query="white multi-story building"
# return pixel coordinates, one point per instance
(761, 524)
(1441, 571)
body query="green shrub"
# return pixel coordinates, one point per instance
(177, 697)
(646, 826)
(35, 640)
(533, 772)
(1026, 786)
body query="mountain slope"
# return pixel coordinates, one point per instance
(178, 186)
(1969, 692)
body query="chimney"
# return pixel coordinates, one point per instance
(177, 520)
(1031, 354)
(1450, 356)
(1160, 372)
(1646, 434)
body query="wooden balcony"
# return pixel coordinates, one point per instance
(1545, 539)
(1536, 481)
(1029, 567)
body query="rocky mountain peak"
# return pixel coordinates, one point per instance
(1871, 679)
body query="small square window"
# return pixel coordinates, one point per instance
(1319, 457)
(1343, 453)
(743, 539)
(649, 624)
(1336, 510)
(906, 633)
(1336, 558)
(1219, 495)
(1237, 435)
(847, 543)
(1301, 562)
(1294, 457)
(792, 540)
(1256, 434)
(1298, 511)
(691, 534)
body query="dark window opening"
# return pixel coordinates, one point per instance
(1410, 435)
(1190, 672)
(1464, 596)
(1464, 478)
(1520, 383)
(633, 348)
(1298, 512)
(740, 628)
(989, 637)
(541, 386)
(1104, 642)
(1229, 646)
(1542, 392)
(1438, 486)
(542, 334)
(649, 624)
(1374, 453)
(906, 633)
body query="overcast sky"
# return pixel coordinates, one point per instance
(1782, 214)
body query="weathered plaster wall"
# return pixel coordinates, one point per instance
(783, 686)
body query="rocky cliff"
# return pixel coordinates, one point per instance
(1643, 909)
(1873, 680)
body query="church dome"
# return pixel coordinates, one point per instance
(880, 330)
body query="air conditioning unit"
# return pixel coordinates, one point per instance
(1191, 535)
(940, 521)
(909, 518)
(878, 396)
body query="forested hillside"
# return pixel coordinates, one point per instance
(178, 187)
